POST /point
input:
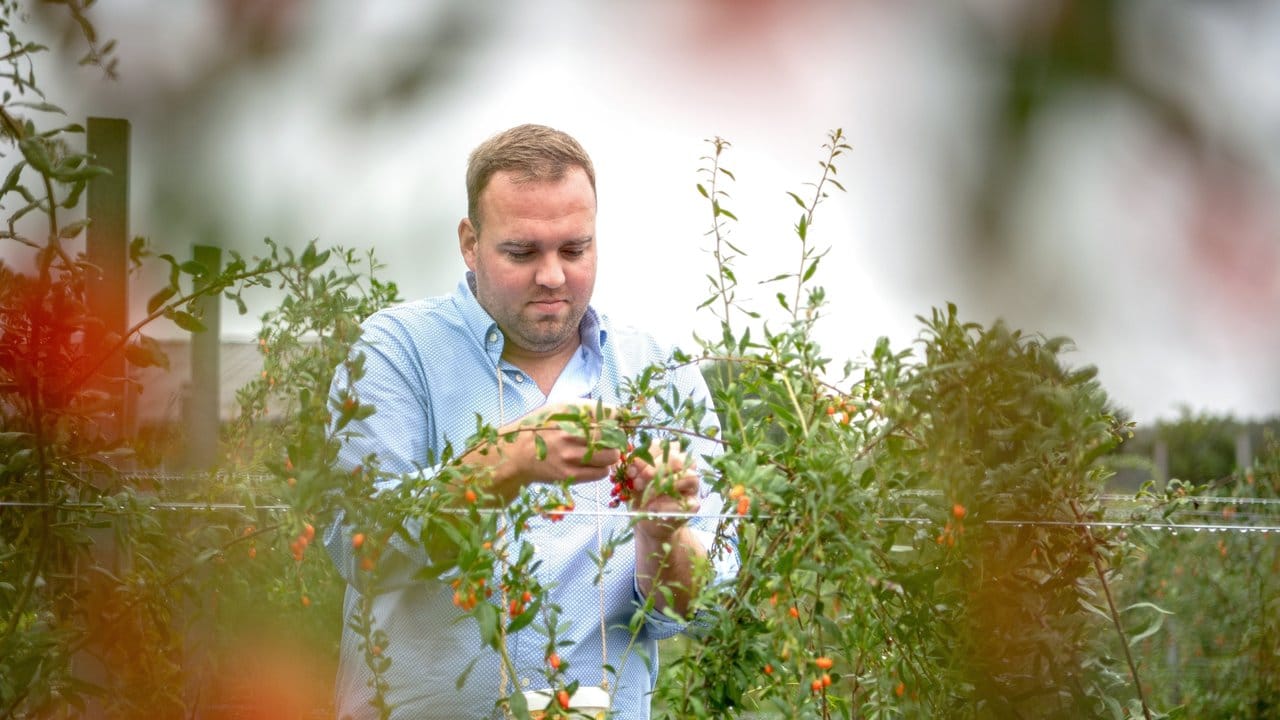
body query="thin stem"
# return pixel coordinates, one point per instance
(1111, 605)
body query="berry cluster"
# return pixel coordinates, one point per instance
(624, 488)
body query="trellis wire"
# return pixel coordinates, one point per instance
(583, 512)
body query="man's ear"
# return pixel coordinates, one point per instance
(468, 239)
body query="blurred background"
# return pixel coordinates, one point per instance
(1103, 169)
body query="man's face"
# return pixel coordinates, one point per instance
(534, 258)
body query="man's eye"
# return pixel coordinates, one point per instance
(519, 255)
(575, 252)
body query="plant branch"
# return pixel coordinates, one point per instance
(1111, 606)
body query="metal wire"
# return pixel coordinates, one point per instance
(589, 513)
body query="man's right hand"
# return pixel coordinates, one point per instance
(517, 464)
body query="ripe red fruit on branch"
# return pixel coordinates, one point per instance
(553, 660)
(357, 541)
(958, 511)
(562, 697)
(823, 662)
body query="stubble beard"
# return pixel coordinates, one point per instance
(534, 333)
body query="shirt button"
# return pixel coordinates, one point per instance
(519, 378)
(524, 682)
(493, 337)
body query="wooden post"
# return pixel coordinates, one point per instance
(1160, 458)
(1244, 449)
(202, 425)
(107, 248)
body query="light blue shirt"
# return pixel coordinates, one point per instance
(430, 367)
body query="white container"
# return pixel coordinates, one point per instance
(589, 701)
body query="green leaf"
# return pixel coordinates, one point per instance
(71, 230)
(159, 298)
(519, 706)
(541, 446)
(146, 352)
(39, 106)
(191, 267)
(34, 151)
(487, 618)
(186, 321)
(11, 180)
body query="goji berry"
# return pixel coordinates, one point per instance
(357, 541)
(553, 660)
(823, 662)
(562, 697)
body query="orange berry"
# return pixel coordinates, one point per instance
(367, 564)
(744, 505)
(794, 612)
(738, 491)
(768, 669)
(309, 532)
(816, 685)
(831, 409)
(562, 697)
(253, 553)
(376, 651)
(306, 601)
(470, 496)
(554, 661)
(823, 662)
(526, 596)
(958, 511)
(826, 680)
(357, 540)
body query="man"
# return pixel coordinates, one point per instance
(516, 341)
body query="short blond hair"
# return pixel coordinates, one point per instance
(535, 153)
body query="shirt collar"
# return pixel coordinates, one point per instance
(591, 330)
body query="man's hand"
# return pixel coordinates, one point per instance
(666, 549)
(517, 464)
(670, 486)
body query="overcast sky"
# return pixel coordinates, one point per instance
(1110, 218)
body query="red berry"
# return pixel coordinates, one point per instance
(554, 661)
(562, 697)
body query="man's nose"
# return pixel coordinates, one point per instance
(549, 273)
